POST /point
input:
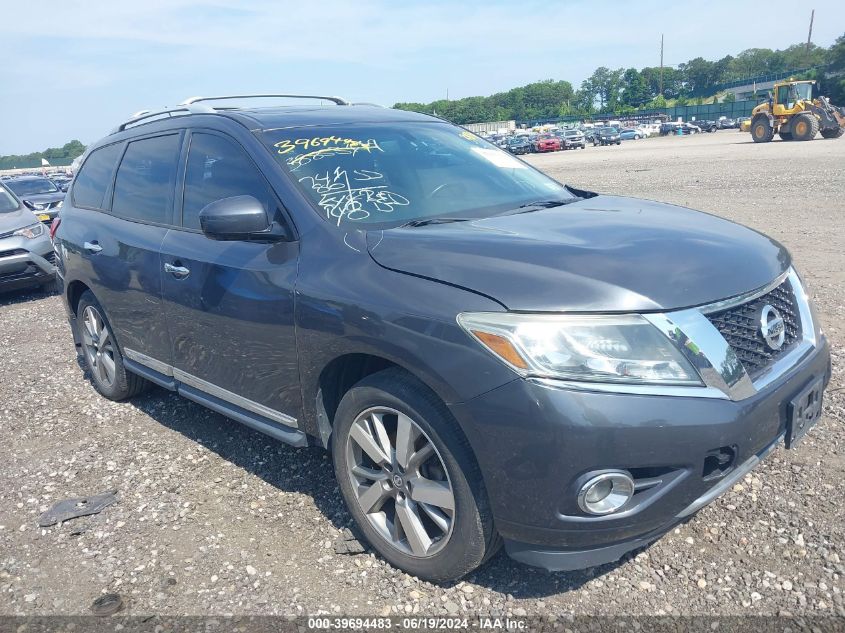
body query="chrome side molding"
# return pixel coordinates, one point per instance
(211, 389)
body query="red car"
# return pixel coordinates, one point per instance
(548, 144)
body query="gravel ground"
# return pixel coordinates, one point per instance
(213, 518)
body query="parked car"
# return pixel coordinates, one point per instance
(547, 143)
(573, 139)
(727, 124)
(673, 127)
(486, 365)
(61, 182)
(26, 252)
(630, 133)
(706, 126)
(39, 194)
(519, 145)
(607, 136)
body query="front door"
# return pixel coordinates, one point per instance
(229, 304)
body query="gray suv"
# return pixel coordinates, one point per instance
(26, 252)
(491, 356)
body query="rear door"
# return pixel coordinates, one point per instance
(230, 306)
(121, 242)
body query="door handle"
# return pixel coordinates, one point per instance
(92, 247)
(180, 272)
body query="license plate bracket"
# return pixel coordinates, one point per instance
(804, 411)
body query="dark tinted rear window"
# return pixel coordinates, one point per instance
(143, 188)
(95, 177)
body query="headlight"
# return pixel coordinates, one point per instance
(595, 348)
(31, 231)
(60, 203)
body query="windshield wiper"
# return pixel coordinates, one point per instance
(544, 204)
(427, 221)
(528, 207)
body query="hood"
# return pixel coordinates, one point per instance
(14, 220)
(600, 254)
(41, 198)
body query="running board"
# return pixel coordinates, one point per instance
(150, 374)
(281, 432)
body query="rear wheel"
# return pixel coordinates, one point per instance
(761, 130)
(410, 480)
(102, 355)
(835, 132)
(804, 127)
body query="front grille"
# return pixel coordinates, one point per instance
(740, 326)
(14, 251)
(51, 257)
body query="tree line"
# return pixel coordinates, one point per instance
(627, 90)
(63, 155)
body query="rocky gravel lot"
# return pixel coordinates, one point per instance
(214, 518)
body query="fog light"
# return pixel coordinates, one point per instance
(606, 493)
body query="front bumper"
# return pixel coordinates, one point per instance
(535, 444)
(26, 262)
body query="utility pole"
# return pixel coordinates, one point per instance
(661, 64)
(810, 34)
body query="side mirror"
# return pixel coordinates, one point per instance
(237, 218)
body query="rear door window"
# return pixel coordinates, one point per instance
(218, 168)
(93, 180)
(146, 178)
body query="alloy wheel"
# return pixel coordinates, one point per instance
(400, 481)
(99, 347)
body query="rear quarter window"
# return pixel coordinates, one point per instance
(94, 178)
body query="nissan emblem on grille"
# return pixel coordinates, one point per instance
(772, 327)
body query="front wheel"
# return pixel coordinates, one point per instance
(409, 478)
(804, 127)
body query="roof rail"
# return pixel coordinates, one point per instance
(337, 100)
(169, 112)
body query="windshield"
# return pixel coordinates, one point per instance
(380, 176)
(804, 91)
(608, 130)
(7, 201)
(32, 186)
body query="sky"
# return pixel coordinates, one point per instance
(76, 68)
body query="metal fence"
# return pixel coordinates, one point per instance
(710, 111)
(759, 80)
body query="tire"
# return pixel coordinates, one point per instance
(102, 356)
(445, 548)
(804, 127)
(835, 132)
(50, 287)
(785, 136)
(761, 129)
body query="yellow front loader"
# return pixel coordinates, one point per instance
(794, 115)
